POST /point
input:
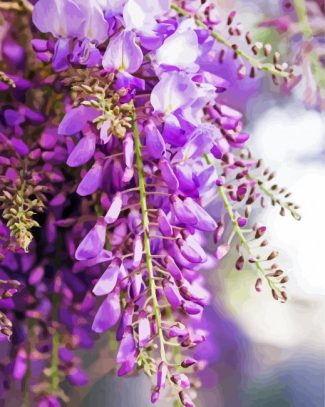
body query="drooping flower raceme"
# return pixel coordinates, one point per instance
(130, 159)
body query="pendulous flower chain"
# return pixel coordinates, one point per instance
(124, 175)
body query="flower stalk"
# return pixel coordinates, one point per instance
(146, 238)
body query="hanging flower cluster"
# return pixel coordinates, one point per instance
(119, 160)
(302, 24)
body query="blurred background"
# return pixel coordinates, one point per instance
(264, 353)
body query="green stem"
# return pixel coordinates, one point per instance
(270, 68)
(146, 238)
(55, 377)
(241, 235)
(307, 33)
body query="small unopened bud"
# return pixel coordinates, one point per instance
(284, 280)
(275, 295)
(231, 17)
(188, 362)
(240, 263)
(258, 285)
(185, 399)
(273, 255)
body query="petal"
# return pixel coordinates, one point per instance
(76, 119)
(61, 53)
(154, 140)
(93, 243)
(172, 294)
(204, 221)
(127, 346)
(115, 209)
(182, 212)
(180, 50)
(91, 181)
(164, 225)
(138, 251)
(175, 90)
(107, 282)
(128, 149)
(144, 329)
(107, 314)
(168, 174)
(122, 53)
(82, 152)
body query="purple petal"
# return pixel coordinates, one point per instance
(172, 294)
(107, 314)
(204, 221)
(62, 51)
(91, 181)
(138, 251)
(154, 140)
(78, 377)
(114, 210)
(164, 225)
(127, 346)
(128, 149)
(144, 329)
(107, 282)
(82, 152)
(93, 243)
(168, 174)
(182, 212)
(76, 119)
(123, 53)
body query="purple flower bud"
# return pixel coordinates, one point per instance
(144, 329)
(115, 209)
(241, 222)
(155, 396)
(173, 269)
(93, 243)
(20, 365)
(128, 149)
(168, 175)
(154, 140)
(77, 377)
(137, 250)
(192, 308)
(185, 399)
(181, 380)
(172, 294)
(182, 212)
(125, 321)
(189, 252)
(136, 284)
(161, 375)
(127, 346)
(177, 330)
(164, 225)
(108, 313)
(127, 366)
(188, 362)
